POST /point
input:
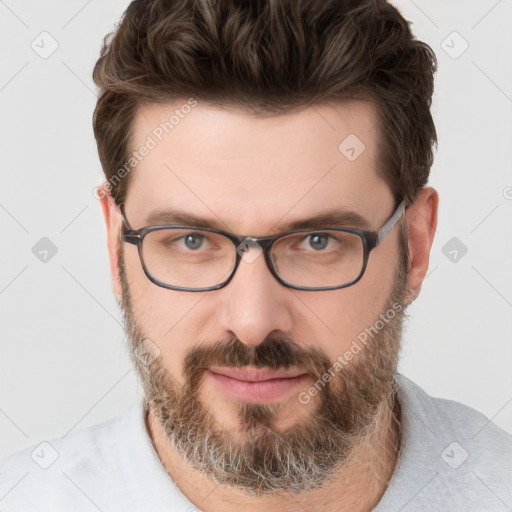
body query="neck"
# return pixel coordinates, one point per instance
(357, 486)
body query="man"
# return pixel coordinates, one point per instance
(268, 224)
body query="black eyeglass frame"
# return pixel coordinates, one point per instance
(370, 239)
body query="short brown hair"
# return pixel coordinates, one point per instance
(270, 57)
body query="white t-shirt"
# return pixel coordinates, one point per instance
(452, 458)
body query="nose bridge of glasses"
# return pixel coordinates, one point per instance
(246, 242)
(259, 251)
(257, 244)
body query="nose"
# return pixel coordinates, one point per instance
(254, 303)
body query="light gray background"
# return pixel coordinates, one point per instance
(63, 364)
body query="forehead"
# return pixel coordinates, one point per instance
(253, 174)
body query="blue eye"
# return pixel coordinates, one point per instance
(319, 241)
(193, 241)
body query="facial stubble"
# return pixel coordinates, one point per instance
(262, 458)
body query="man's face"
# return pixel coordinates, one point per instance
(254, 176)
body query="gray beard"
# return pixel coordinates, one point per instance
(262, 459)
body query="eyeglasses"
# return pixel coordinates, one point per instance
(188, 258)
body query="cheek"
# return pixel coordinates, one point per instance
(381, 273)
(336, 318)
(164, 316)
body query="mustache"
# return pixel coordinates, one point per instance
(274, 352)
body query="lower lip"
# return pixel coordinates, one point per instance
(256, 392)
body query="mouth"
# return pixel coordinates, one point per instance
(255, 385)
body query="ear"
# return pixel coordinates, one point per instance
(111, 214)
(421, 218)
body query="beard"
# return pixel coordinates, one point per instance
(260, 458)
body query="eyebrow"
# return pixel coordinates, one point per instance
(329, 218)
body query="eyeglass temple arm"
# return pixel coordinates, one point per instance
(390, 224)
(126, 229)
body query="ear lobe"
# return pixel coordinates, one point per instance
(112, 217)
(421, 218)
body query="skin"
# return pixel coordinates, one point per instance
(252, 176)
